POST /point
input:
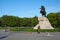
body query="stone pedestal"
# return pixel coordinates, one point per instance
(43, 23)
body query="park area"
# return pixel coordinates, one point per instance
(21, 20)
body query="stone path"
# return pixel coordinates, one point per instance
(32, 36)
(4, 34)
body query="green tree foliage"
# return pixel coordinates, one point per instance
(54, 18)
(29, 22)
(9, 20)
(34, 21)
(14, 21)
(58, 18)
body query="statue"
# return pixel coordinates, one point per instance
(43, 21)
(43, 11)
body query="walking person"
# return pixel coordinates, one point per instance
(38, 30)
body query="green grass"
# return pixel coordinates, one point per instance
(2, 27)
(22, 29)
(50, 30)
(32, 30)
(27, 29)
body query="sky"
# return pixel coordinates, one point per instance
(28, 8)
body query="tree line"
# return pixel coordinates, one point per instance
(13, 21)
(54, 19)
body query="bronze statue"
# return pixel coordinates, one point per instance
(43, 11)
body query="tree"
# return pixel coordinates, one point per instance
(52, 19)
(58, 18)
(8, 20)
(17, 24)
(14, 21)
(34, 21)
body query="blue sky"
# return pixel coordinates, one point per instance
(27, 8)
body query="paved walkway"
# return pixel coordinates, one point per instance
(32, 36)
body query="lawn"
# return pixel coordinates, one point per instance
(33, 30)
(29, 29)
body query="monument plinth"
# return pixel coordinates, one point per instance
(43, 21)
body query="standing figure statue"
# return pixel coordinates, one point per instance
(43, 12)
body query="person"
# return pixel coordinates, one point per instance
(6, 28)
(38, 30)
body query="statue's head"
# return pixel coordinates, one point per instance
(42, 7)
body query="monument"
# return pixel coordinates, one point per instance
(43, 21)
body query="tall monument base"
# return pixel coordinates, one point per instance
(43, 23)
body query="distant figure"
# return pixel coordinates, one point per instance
(43, 11)
(5, 29)
(38, 30)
